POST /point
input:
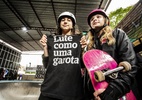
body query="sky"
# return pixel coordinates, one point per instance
(37, 60)
(115, 4)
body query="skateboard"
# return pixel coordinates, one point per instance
(99, 65)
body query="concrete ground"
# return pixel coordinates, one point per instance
(19, 90)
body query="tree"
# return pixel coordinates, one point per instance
(117, 15)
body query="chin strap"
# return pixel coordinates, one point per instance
(97, 31)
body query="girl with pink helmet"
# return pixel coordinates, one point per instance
(117, 44)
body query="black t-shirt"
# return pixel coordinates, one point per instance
(63, 77)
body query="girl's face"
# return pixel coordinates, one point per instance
(97, 21)
(66, 24)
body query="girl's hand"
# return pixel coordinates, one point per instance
(83, 42)
(97, 92)
(43, 40)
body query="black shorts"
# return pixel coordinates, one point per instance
(42, 97)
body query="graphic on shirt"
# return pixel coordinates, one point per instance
(64, 48)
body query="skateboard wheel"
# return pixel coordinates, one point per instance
(99, 76)
(126, 65)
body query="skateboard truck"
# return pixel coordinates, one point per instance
(123, 66)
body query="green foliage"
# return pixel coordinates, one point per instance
(117, 15)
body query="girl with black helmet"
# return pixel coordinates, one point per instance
(62, 52)
(117, 44)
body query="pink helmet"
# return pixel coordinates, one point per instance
(97, 11)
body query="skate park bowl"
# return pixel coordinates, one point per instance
(19, 90)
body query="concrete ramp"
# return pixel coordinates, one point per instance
(19, 90)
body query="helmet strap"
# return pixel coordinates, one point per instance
(97, 31)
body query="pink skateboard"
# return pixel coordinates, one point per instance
(100, 64)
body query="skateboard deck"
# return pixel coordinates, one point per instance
(95, 60)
